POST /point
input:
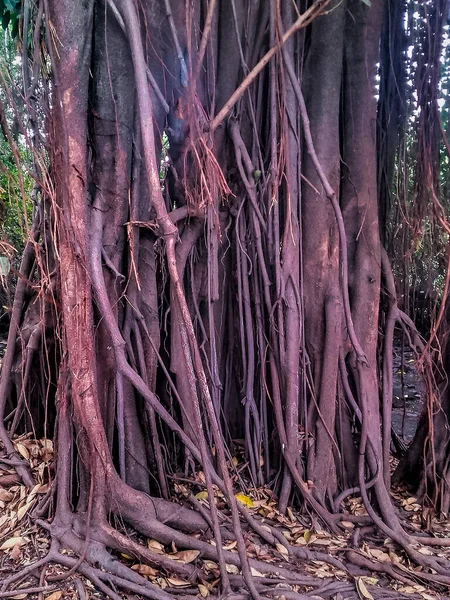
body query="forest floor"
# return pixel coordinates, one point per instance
(23, 542)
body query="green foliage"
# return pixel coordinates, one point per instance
(10, 14)
(15, 211)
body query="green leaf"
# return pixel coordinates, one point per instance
(11, 5)
(367, 2)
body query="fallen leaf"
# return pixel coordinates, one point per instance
(5, 496)
(210, 565)
(202, 496)
(145, 570)
(370, 580)
(23, 451)
(255, 573)
(14, 541)
(321, 542)
(176, 582)
(186, 556)
(15, 553)
(204, 592)
(230, 546)
(155, 546)
(24, 509)
(282, 550)
(308, 536)
(233, 569)
(363, 592)
(245, 500)
(54, 596)
(425, 551)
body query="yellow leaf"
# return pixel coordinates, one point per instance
(245, 500)
(14, 541)
(235, 461)
(125, 556)
(204, 593)
(363, 592)
(186, 556)
(309, 536)
(54, 596)
(202, 496)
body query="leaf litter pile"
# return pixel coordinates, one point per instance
(326, 569)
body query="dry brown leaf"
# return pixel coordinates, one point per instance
(370, 580)
(15, 553)
(283, 551)
(255, 573)
(13, 541)
(23, 451)
(425, 551)
(321, 542)
(176, 582)
(233, 569)
(186, 556)
(230, 546)
(24, 509)
(363, 592)
(54, 596)
(5, 495)
(204, 592)
(155, 546)
(145, 570)
(379, 555)
(407, 589)
(210, 565)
